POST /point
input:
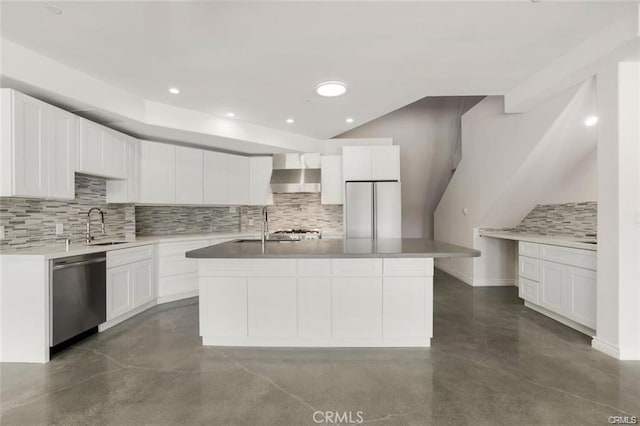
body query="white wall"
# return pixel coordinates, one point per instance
(426, 132)
(510, 163)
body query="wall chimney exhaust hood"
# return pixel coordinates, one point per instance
(296, 173)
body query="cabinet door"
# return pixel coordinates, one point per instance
(143, 283)
(90, 156)
(62, 132)
(114, 154)
(128, 190)
(215, 178)
(157, 173)
(239, 176)
(385, 162)
(356, 307)
(223, 306)
(356, 163)
(119, 291)
(260, 187)
(332, 182)
(582, 300)
(189, 175)
(404, 301)
(554, 292)
(30, 147)
(272, 307)
(314, 307)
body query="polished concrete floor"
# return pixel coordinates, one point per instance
(492, 362)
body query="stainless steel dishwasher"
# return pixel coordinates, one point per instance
(78, 298)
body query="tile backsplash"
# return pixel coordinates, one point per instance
(32, 222)
(302, 210)
(161, 220)
(575, 219)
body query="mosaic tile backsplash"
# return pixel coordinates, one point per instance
(574, 219)
(302, 210)
(32, 222)
(162, 220)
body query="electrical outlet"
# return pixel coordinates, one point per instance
(250, 222)
(1, 232)
(59, 228)
(232, 209)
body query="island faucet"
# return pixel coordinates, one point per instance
(265, 224)
(89, 237)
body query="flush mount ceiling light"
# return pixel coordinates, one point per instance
(289, 120)
(591, 120)
(230, 115)
(331, 89)
(52, 9)
(174, 91)
(349, 120)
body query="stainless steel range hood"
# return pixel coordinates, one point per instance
(296, 173)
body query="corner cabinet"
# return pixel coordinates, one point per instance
(559, 282)
(37, 148)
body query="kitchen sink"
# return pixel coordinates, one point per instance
(108, 243)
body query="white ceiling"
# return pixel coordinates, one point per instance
(261, 60)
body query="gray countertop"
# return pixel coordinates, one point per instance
(401, 247)
(554, 240)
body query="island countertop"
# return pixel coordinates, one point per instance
(333, 248)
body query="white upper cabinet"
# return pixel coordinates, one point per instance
(332, 182)
(239, 170)
(215, 178)
(157, 173)
(128, 190)
(103, 151)
(189, 175)
(37, 148)
(260, 189)
(367, 163)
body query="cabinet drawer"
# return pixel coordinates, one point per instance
(529, 249)
(529, 290)
(171, 249)
(314, 267)
(356, 267)
(408, 267)
(130, 255)
(529, 268)
(175, 265)
(569, 256)
(247, 267)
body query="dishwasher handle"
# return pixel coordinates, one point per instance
(63, 265)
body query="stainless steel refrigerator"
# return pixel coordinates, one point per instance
(373, 210)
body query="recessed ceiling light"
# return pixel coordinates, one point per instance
(289, 120)
(174, 91)
(591, 120)
(230, 115)
(54, 10)
(331, 88)
(349, 120)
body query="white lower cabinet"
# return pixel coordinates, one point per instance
(314, 307)
(130, 282)
(357, 307)
(264, 294)
(225, 316)
(562, 281)
(405, 311)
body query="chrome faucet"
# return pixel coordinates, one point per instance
(89, 237)
(265, 224)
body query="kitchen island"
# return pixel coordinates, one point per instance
(319, 293)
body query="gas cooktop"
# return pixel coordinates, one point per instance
(296, 234)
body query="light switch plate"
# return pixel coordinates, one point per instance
(59, 228)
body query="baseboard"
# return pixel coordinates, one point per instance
(115, 321)
(178, 296)
(459, 275)
(496, 282)
(328, 342)
(563, 320)
(615, 351)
